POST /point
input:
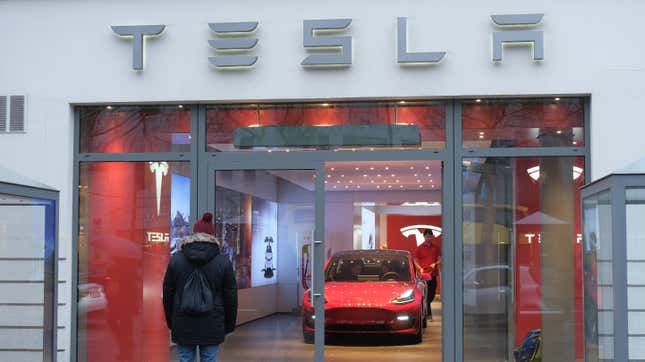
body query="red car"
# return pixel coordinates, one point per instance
(370, 291)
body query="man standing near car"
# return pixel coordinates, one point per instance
(199, 260)
(428, 257)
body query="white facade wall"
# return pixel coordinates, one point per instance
(61, 53)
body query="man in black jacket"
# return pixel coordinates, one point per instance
(200, 250)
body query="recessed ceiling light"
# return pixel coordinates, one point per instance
(353, 150)
(416, 175)
(371, 181)
(372, 168)
(402, 102)
(270, 151)
(325, 181)
(181, 106)
(482, 132)
(287, 150)
(397, 181)
(393, 175)
(432, 186)
(418, 180)
(481, 137)
(420, 186)
(379, 175)
(334, 186)
(357, 168)
(109, 107)
(351, 182)
(429, 174)
(328, 176)
(557, 99)
(338, 181)
(332, 169)
(427, 167)
(342, 175)
(364, 175)
(389, 186)
(401, 186)
(387, 168)
(346, 186)
(559, 132)
(411, 167)
(378, 186)
(325, 104)
(358, 186)
(575, 142)
(478, 100)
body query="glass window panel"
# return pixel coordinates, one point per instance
(223, 120)
(523, 123)
(120, 129)
(131, 216)
(636, 273)
(636, 348)
(27, 232)
(636, 321)
(521, 238)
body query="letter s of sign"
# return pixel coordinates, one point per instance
(311, 39)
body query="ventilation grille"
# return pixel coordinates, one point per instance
(17, 114)
(3, 113)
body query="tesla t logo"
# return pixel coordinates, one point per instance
(417, 231)
(160, 169)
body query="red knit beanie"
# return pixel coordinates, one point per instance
(205, 224)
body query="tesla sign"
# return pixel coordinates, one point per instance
(234, 43)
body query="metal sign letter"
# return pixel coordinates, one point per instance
(311, 40)
(534, 38)
(233, 40)
(412, 58)
(138, 32)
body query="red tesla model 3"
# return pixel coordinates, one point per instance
(370, 291)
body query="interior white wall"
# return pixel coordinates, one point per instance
(63, 52)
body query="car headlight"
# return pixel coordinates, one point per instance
(405, 297)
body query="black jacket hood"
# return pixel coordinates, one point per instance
(199, 248)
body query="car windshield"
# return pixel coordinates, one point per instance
(368, 268)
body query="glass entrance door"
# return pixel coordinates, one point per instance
(265, 219)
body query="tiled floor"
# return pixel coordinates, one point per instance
(279, 338)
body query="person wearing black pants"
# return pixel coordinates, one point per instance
(428, 257)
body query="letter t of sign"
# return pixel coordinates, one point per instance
(138, 32)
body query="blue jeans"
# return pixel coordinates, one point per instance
(187, 353)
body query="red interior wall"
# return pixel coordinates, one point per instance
(121, 209)
(396, 240)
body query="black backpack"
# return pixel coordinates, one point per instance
(197, 296)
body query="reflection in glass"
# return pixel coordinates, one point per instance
(598, 280)
(130, 214)
(120, 129)
(556, 122)
(521, 252)
(223, 120)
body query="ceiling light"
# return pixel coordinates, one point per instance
(338, 181)
(557, 99)
(429, 174)
(420, 186)
(334, 186)
(411, 167)
(389, 186)
(371, 181)
(353, 150)
(387, 168)
(397, 181)
(402, 102)
(325, 104)
(416, 175)
(342, 175)
(427, 167)
(181, 106)
(325, 181)
(364, 175)
(418, 180)
(287, 150)
(328, 176)
(481, 137)
(481, 133)
(558, 132)
(534, 172)
(372, 168)
(432, 186)
(346, 186)
(378, 186)
(478, 100)
(575, 142)
(378, 175)
(109, 107)
(351, 182)
(270, 151)
(358, 186)
(393, 175)
(372, 149)
(332, 169)
(357, 168)
(401, 186)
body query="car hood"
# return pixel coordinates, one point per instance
(363, 294)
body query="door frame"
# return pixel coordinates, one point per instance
(316, 161)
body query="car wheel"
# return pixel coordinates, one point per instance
(418, 337)
(308, 338)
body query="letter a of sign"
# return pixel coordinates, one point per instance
(311, 40)
(138, 32)
(534, 38)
